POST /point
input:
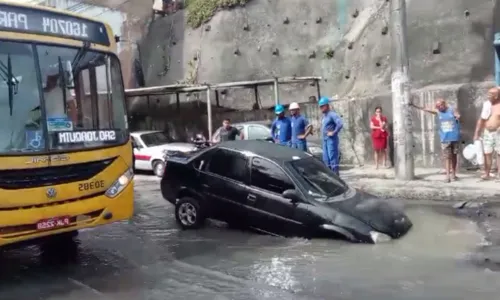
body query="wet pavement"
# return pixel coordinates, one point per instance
(443, 257)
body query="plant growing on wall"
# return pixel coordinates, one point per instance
(329, 53)
(201, 11)
(192, 70)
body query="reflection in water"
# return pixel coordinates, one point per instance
(60, 252)
(418, 262)
(276, 272)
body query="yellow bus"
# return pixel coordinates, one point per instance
(65, 151)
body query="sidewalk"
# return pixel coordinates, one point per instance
(428, 185)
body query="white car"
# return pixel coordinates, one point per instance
(262, 131)
(149, 148)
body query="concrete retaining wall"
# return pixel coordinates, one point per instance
(360, 65)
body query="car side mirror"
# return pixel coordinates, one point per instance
(293, 195)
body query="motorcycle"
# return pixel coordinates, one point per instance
(200, 142)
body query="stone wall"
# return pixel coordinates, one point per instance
(344, 41)
(351, 29)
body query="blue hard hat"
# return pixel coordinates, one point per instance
(278, 109)
(323, 101)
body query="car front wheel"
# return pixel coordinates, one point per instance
(189, 213)
(158, 168)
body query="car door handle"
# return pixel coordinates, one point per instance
(205, 185)
(251, 198)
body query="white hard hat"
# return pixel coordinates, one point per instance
(293, 105)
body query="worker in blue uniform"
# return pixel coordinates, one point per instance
(331, 124)
(300, 127)
(281, 129)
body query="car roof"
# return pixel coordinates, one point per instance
(144, 131)
(277, 153)
(264, 123)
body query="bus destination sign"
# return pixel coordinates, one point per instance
(38, 21)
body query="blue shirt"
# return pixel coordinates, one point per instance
(282, 129)
(331, 122)
(449, 127)
(299, 124)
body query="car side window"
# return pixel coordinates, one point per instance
(268, 176)
(135, 144)
(229, 164)
(258, 132)
(200, 163)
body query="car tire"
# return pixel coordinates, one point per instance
(158, 168)
(189, 213)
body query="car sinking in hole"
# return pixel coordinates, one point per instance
(276, 190)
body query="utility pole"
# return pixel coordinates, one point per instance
(400, 86)
(276, 91)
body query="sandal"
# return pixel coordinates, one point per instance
(454, 178)
(447, 180)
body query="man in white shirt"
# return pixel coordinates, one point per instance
(489, 124)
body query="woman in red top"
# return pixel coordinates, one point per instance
(378, 125)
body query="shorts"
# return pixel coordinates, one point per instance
(449, 149)
(491, 141)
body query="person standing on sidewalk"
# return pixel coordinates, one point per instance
(300, 127)
(331, 124)
(449, 133)
(489, 123)
(281, 129)
(378, 124)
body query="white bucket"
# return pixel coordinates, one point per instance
(474, 153)
(470, 152)
(479, 152)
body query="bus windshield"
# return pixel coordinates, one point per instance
(72, 99)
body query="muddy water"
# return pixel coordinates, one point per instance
(149, 258)
(429, 263)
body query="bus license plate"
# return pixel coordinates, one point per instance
(53, 223)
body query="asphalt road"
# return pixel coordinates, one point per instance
(443, 257)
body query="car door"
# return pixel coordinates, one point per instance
(271, 211)
(223, 181)
(141, 158)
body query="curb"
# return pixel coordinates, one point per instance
(432, 193)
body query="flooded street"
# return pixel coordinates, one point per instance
(150, 258)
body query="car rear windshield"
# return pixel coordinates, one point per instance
(155, 139)
(322, 183)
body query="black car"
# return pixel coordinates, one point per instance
(277, 190)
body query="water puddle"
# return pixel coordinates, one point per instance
(150, 257)
(428, 261)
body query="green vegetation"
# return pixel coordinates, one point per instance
(201, 11)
